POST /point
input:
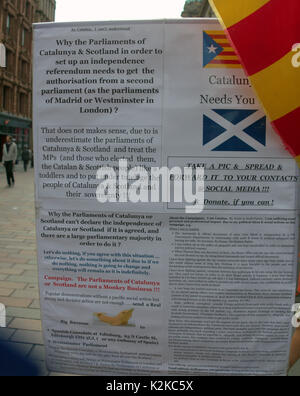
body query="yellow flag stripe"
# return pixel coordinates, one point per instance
(222, 41)
(227, 57)
(277, 87)
(238, 9)
(222, 66)
(215, 32)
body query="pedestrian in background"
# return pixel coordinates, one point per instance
(26, 157)
(14, 141)
(9, 157)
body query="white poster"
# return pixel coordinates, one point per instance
(144, 286)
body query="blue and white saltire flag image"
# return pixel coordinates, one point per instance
(234, 130)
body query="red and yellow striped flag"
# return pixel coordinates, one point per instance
(263, 33)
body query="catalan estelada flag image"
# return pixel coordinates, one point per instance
(263, 34)
(218, 52)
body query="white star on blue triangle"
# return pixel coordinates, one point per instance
(208, 55)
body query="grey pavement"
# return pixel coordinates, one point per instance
(18, 270)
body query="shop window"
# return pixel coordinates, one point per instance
(7, 95)
(24, 71)
(8, 24)
(28, 9)
(23, 104)
(25, 39)
(10, 61)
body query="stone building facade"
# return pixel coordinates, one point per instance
(197, 8)
(16, 18)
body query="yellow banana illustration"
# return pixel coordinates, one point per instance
(121, 319)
